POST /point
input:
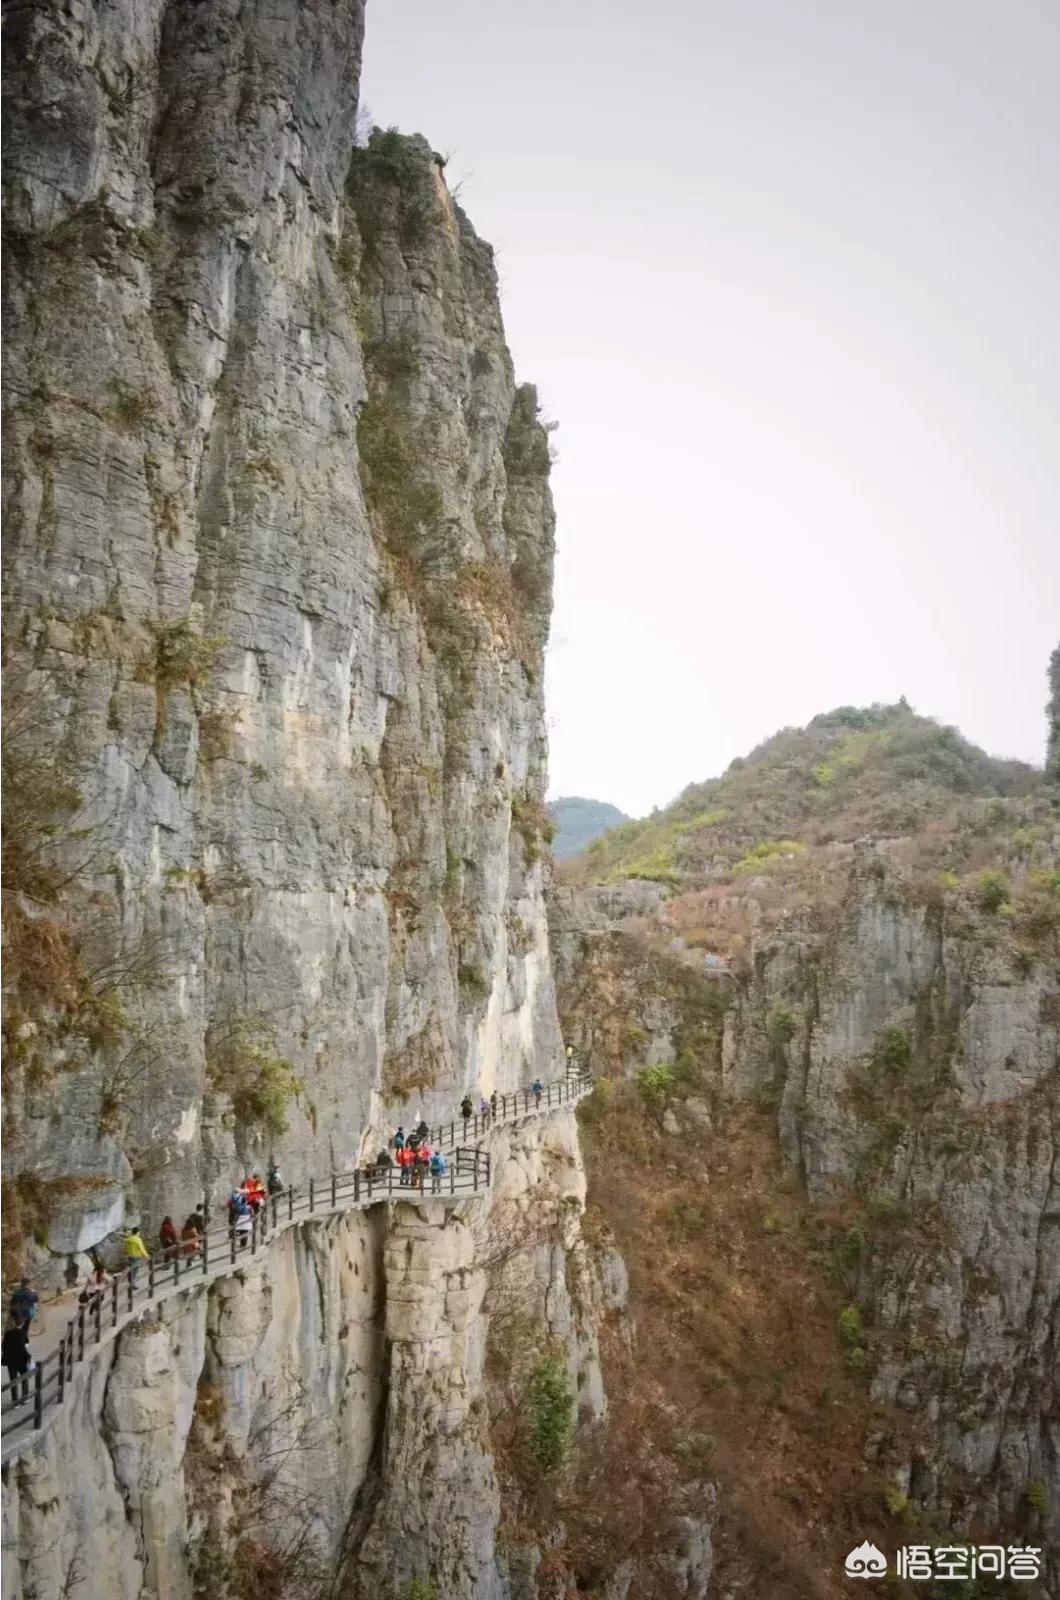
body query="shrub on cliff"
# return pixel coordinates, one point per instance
(549, 1414)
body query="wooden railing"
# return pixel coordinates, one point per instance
(223, 1248)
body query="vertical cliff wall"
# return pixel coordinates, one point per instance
(322, 1423)
(277, 580)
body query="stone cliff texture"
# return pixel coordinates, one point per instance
(277, 581)
(323, 1417)
(910, 1057)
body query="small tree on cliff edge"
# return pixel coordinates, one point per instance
(1052, 751)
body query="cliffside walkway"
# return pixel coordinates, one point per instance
(223, 1251)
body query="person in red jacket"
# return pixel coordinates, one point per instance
(406, 1160)
(169, 1237)
(423, 1163)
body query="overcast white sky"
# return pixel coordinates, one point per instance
(786, 273)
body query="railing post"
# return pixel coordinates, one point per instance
(38, 1396)
(176, 1266)
(97, 1313)
(205, 1252)
(332, 1191)
(232, 1238)
(310, 1195)
(129, 1281)
(81, 1333)
(151, 1277)
(357, 1185)
(253, 1233)
(275, 1210)
(290, 1205)
(62, 1372)
(114, 1301)
(389, 1181)
(475, 1171)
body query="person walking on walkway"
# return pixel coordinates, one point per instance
(383, 1161)
(423, 1162)
(467, 1111)
(25, 1302)
(422, 1131)
(275, 1180)
(399, 1139)
(438, 1171)
(167, 1234)
(406, 1158)
(190, 1234)
(135, 1252)
(536, 1089)
(243, 1224)
(17, 1360)
(95, 1284)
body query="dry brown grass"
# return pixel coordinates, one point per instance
(737, 1339)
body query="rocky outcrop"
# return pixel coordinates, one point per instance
(910, 1050)
(277, 582)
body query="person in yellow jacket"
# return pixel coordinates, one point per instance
(135, 1252)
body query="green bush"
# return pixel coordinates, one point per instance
(851, 1327)
(259, 1083)
(895, 1048)
(419, 1589)
(991, 890)
(655, 1082)
(768, 853)
(780, 1025)
(896, 1502)
(549, 1414)
(1037, 1496)
(407, 506)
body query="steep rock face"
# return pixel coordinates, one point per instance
(913, 1060)
(326, 1409)
(307, 737)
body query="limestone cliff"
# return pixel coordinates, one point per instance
(868, 1080)
(277, 581)
(320, 1423)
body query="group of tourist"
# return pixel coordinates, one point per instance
(413, 1155)
(414, 1158)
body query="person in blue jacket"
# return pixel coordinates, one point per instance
(438, 1171)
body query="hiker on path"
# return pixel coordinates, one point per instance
(484, 1111)
(95, 1285)
(17, 1359)
(467, 1111)
(423, 1161)
(406, 1158)
(25, 1302)
(275, 1180)
(238, 1206)
(536, 1089)
(167, 1234)
(399, 1139)
(135, 1252)
(438, 1171)
(383, 1161)
(190, 1234)
(243, 1224)
(422, 1131)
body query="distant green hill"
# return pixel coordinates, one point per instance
(876, 771)
(579, 822)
